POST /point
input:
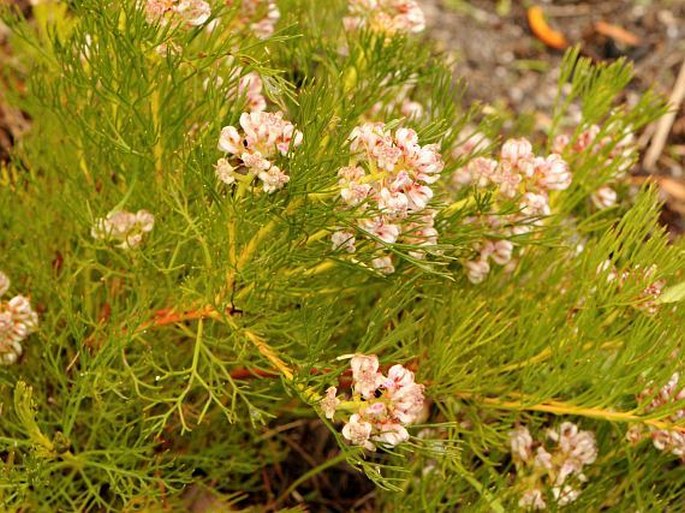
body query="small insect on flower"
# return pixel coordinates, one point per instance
(125, 227)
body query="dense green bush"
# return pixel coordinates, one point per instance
(200, 273)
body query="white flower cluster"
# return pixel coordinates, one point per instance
(188, 12)
(390, 186)
(127, 228)
(668, 440)
(385, 16)
(382, 405)
(624, 151)
(517, 176)
(647, 300)
(17, 321)
(260, 15)
(560, 467)
(264, 136)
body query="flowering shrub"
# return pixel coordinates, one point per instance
(274, 259)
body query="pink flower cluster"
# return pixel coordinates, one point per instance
(624, 151)
(127, 228)
(17, 322)
(382, 405)
(264, 136)
(647, 300)
(187, 12)
(519, 176)
(386, 16)
(668, 440)
(260, 15)
(390, 186)
(560, 467)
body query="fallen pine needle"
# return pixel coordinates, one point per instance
(542, 30)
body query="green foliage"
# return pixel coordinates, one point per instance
(126, 399)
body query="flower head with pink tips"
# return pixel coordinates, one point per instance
(518, 175)
(251, 152)
(381, 405)
(389, 186)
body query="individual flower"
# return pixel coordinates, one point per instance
(533, 499)
(343, 240)
(421, 232)
(251, 86)
(382, 406)
(475, 142)
(521, 444)
(365, 375)
(517, 151)
(225, 171)
(604, 197)
(385, 16)
(553, 173)
(575, 448)
(358, 432)
(477, 270)
(330, 403)
(565, 495)
(127, 228)
(273, 179)
(264, 137)
(352, 189)
(383, 265)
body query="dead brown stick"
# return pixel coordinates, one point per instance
(666, 122)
